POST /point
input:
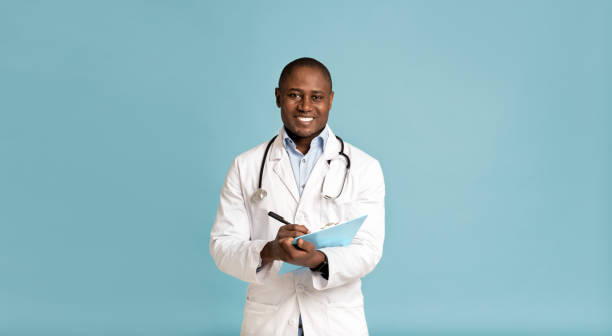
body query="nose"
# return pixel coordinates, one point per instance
(305, 104)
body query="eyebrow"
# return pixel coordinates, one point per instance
(300, 90)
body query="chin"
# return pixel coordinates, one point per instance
(304, 132)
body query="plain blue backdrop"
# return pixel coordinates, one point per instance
(491, 119)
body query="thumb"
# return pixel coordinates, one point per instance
(304, 245)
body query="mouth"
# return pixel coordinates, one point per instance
(305, 120)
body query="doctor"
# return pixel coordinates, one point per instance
(311, 178)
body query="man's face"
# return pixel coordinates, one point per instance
(305, 98)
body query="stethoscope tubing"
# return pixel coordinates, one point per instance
(263, 163)
(265, 156)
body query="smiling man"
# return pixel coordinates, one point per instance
(312, 178)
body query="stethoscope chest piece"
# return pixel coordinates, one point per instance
(259, 195)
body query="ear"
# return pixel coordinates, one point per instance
(331, 99)
(277, 94)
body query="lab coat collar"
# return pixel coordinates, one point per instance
(331, 150)
(282, 165)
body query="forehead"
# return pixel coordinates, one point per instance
(306, 78)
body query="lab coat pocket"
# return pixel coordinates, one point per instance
(335, 211)
(258, 318)
(346, 319)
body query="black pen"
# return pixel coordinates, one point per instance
(278, 217)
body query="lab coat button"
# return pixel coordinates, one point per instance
(292, 322)
(300, 287)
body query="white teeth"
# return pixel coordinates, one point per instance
(304, 119)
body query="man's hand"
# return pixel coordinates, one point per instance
(282, 248)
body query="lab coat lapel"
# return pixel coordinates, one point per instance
(282, 166)
(315, 180)
(332, 148)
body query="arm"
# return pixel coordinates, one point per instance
(230, 244)
(349, 263)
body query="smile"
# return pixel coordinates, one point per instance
(304, 119)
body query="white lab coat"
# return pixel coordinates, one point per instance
(242, 228)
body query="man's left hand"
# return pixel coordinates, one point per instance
(304, 254)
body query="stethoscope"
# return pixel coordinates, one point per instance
(260, 193)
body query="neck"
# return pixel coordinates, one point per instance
(302, 143)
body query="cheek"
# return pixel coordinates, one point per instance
(287, 107)
(324, 113)
(284, 118)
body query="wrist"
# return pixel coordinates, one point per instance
(322, 268)
(267, 254)
(319, 261)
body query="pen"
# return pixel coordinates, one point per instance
(278, 217)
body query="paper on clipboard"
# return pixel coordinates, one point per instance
(337, 235)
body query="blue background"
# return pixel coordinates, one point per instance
(491, 119)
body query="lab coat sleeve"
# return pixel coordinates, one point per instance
(349, 263)
(230, 245)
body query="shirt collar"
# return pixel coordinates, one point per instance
(320, 140)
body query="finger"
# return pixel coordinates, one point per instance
(286, 245)
(295, 227)
(306, 246)
(292, 234)
(291, 250)
(287, 231)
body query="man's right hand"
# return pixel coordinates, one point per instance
(273, 250)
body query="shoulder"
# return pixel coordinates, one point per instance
(359, 158)
(253, 156)
(366, 171)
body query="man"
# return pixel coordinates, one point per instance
(306, 180)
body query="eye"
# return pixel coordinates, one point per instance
(294, 96)
(317, 98)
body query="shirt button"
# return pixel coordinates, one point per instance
(304, 160)
(303, 186)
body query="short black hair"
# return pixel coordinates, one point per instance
(304, 62)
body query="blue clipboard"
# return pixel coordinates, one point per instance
(337, 235)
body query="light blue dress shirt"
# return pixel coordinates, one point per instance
(302, 165)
